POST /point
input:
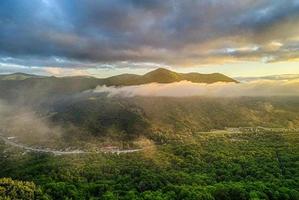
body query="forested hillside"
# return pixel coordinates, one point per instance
(61, 140)
(205, 165)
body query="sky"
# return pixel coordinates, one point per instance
(108, 37)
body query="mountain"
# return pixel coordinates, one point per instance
(129, 118)
(18, 76)
(144, 147)
(159, 75)
(32, 88)
(162, 75)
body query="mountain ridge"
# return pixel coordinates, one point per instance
(18, 76)
(33, 88)
(159, 75)
(162, 75)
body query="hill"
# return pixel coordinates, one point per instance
(179, 158)
(31, 88)
(190, 148)
(147, 116)
(18, 76)
(162, 75)
(159, 75)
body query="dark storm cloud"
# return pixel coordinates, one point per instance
(85, 32)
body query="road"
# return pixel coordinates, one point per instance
(57, 152)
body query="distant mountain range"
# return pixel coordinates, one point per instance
(18, 76)
(162, 75)
(30, 88)
(159, 75)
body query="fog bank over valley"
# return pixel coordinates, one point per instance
(253, 88)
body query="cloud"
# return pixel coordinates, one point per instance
(220, 89)
(283, 77)
(172, 32)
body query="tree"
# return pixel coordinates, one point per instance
(12, 189)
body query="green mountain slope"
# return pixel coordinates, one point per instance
(148, 116)
(162, 75)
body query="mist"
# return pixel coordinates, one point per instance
(256, 88)
(26, 125)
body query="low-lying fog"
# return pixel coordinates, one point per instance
(30, 125)
(21, 121)
(220, 89)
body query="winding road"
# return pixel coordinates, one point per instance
(57, 152)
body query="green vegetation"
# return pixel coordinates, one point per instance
(183, 115)
(11, 190)
(204, 165)
(189, 151)
(166, 76)
(102, 116)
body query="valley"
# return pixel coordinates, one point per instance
(149, 100)
(61, 140)
(205, 165)
(9, 141)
